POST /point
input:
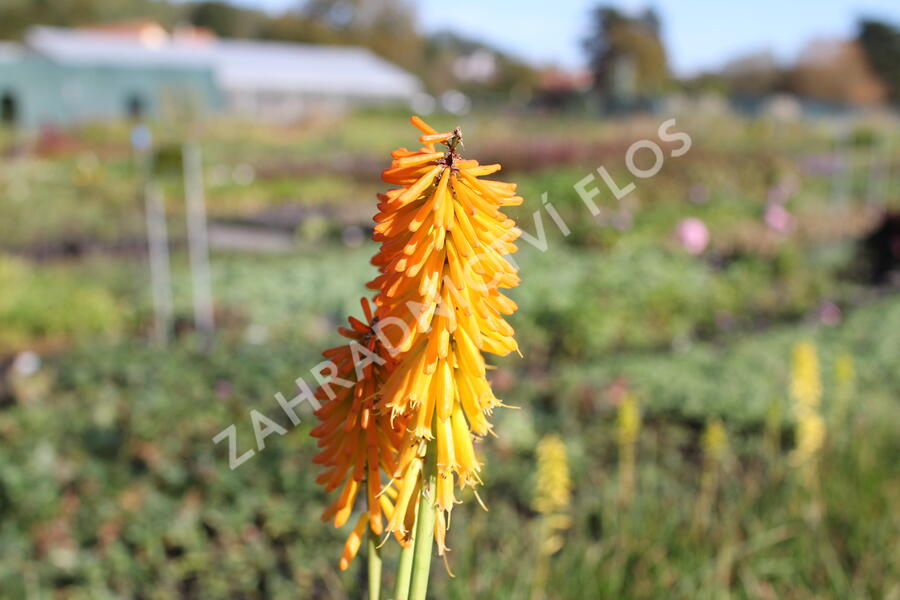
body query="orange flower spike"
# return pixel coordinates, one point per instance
(356, 437)
(443, 240)
(441, 264)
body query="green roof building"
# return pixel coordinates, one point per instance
(65, 76)
(46, 82)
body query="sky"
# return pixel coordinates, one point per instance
(698, 34)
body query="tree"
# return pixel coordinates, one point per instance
(881, 44)
(387, 27)
(17, 15)
(625, 53)
(225, 19)
(756, 73)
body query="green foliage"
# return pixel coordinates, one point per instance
(738, 381)
(81, 199)
(226, 19)
(115, 481)
(51, 306)
(110, 484)
(18, 15)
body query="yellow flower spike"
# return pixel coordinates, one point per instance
(715, 441)
(553, 497)
(806, 390)
(844, 375)
(628, 424)
(628, 429)
(845, 371)
(806, 384)
(553, 491)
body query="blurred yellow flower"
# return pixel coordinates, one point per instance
(715, 451)
(553, 495)
(553, 491)
(715, 441)
(806, 390)
(628, 423)
(628, 428)
(806, 384)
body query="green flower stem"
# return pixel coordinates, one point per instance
(374, 556)
(424, 541)
(404, 570)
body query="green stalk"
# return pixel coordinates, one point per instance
(404, 570)
(374, 555)
(424, 541)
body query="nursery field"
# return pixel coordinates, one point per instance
(663, 340)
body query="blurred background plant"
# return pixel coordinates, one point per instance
(552, 499)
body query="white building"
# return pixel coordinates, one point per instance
(281, 81)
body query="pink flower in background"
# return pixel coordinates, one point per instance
(830, 313)
(778, 218)
(693, 235)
